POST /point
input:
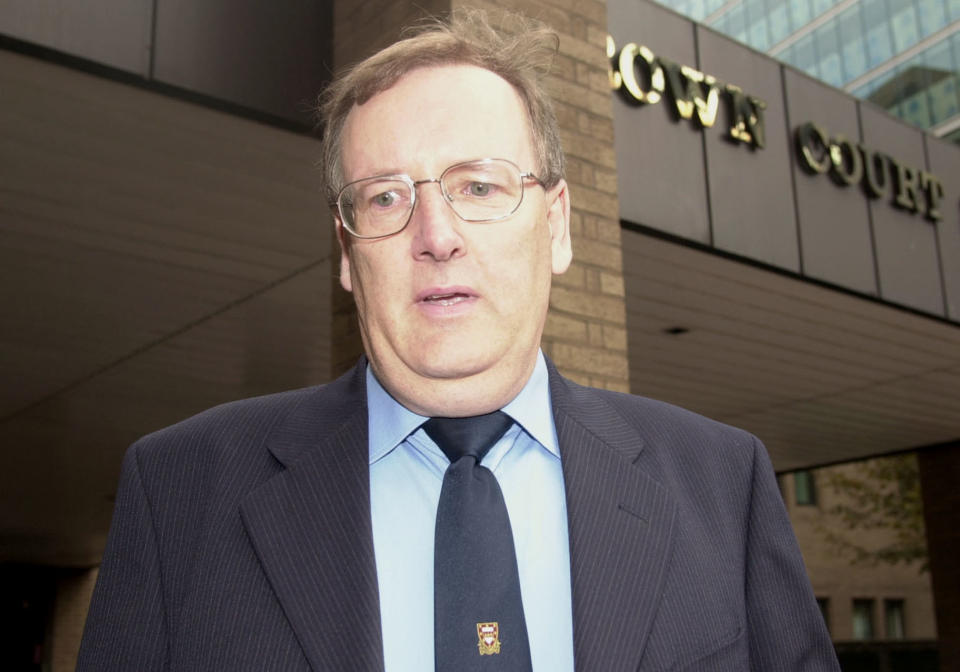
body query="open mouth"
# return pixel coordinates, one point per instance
(450, 299)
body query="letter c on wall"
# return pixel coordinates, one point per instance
(813, 148)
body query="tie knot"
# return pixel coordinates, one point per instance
(458, 437)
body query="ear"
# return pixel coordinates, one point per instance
(343, 238)
(558, 218)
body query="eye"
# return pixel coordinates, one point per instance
(385, 199)
(479, 188)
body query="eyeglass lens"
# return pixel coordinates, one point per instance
(477, 191)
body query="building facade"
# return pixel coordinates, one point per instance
(873, 608)
(748, 242)
(902, 55)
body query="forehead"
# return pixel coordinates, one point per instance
(433, 117)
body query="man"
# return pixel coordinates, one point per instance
(311, 530)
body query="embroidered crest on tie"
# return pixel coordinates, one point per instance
(476, 583)
(489, 638)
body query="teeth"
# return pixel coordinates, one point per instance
(444, 299)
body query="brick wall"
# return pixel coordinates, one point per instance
(585, 334)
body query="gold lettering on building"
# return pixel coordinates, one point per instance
(645, 79)
(910, 189)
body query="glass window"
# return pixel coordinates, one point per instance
(953, 9)
(756, 18)
(916, 110)
(913, 79)
(736, 27)
(824, 604)
(932, 15)
(863, 619)
(943, 89)
(903, 21)
(696, 9)
(829, 51)
(943, 99)
(894, 619)
(720, 24)
(955, 45)
(820, 6)
(757, 37)
(787, 55)
(804, 56)
(879, 44)
(800, 13)
(863, 91)
(804, 487)
(779, 22)
(886, 91)
(714, 5)
(854, 46)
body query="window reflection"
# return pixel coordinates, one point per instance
(854, 47)
(903, 21)
(879, 44)
(828, 49)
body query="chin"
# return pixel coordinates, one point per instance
(457, 365)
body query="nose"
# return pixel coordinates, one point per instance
(436, 226)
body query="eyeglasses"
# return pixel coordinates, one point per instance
(485, 190)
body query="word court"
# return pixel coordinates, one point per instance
(911, 189)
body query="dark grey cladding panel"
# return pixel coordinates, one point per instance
(660, 166)
(944, 162)
(270, 57)
(751, 194)
(905, 243)
(111, 32)
(833, 217)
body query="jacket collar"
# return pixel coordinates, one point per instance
(310, 526)
(621, 522)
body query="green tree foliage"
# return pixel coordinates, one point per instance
(879, 494)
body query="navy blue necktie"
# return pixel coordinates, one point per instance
(478, 614)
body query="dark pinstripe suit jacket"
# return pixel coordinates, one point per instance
(242, 540)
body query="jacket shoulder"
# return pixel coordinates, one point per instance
(235, 424)
(658, 419)
(680, 449)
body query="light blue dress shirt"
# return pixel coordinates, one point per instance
(406, 473)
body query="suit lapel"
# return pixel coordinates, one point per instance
(310, 526)
(622, 525)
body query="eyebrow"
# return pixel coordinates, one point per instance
(400, 171)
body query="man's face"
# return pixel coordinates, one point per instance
(451, 312)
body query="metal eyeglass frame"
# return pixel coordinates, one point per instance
(447, 198)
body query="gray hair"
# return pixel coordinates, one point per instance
(521, 53)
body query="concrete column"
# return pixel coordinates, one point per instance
(939, 475)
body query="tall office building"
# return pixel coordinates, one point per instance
(903, 55)
(164, 248)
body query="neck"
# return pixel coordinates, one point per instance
(476, 394)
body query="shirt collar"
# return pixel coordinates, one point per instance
(390, 422)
